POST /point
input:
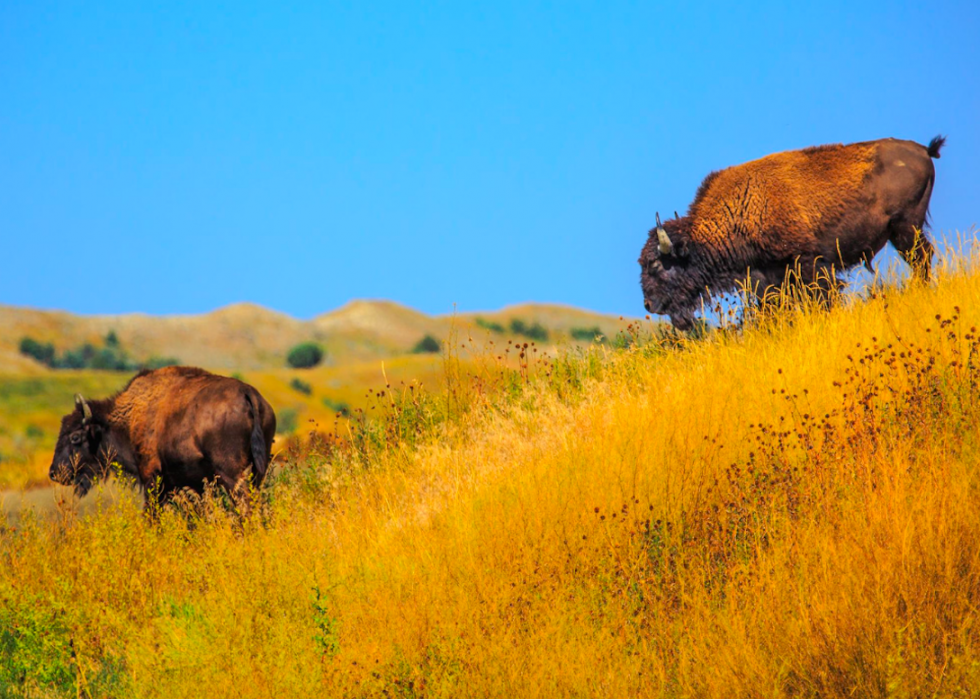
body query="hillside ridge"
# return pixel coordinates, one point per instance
(246, 335)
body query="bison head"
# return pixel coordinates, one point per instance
(76, 455)
(667, 276)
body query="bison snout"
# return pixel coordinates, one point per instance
(82, 485)
(60, 473)
(647, 305)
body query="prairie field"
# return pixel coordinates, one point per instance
(789, 508)
(367, 344)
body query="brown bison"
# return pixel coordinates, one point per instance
(811, 211)
(172, 428)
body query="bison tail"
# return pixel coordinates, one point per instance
(934, 145)
(260, 450)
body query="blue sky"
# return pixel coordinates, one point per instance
(176, 157)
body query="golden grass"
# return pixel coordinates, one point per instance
(792, 510)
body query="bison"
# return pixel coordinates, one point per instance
(172, 428)
(807, 213)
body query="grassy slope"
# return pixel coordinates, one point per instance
(792, 512)
(245, 339)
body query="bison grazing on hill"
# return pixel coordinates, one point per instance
(811, 211)
(172, 428)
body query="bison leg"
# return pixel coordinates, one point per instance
(911, 243)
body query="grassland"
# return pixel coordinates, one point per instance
(250, 342)
(788, 510)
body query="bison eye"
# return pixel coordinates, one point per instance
(77, 438)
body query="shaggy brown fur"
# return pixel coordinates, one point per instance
(820, 209)
(797, 191)
(172, 428)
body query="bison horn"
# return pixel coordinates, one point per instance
(663, 240)
(86, 411)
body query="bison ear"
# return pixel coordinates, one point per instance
(681, 248)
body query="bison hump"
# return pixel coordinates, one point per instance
(795, 192)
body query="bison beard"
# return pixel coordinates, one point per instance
(173, 428)
(812, 212)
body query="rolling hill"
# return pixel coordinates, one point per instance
(251, 342)
(246, 336)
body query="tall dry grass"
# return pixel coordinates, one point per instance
(788, 510)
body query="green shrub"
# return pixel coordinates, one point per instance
(303, 387)
(42, 352)
(110, 357)
(587, 334)
(517, 326)
(305, 355)
(78, 358)
(490, 325)
(427, 345)
(338, 406)
(537, 332)
(534, 331)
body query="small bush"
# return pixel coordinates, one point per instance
(537, 332)
(490, 325)
(303, 387)
(338, 406)
(587, 334)
(534, 331)
(427, 345)
(42, 352)
(110, 357)
(78, 358)
(517, 326)
(305, 355)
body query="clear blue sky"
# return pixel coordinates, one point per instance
(175, 157)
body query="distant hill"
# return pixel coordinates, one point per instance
(252, 342)
(245, 336)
